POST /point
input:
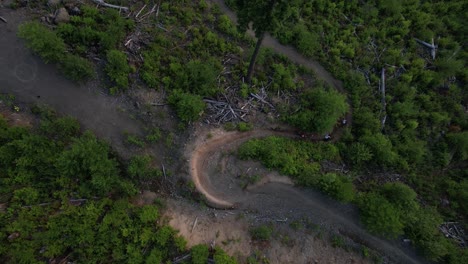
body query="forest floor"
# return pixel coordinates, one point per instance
(33, 82)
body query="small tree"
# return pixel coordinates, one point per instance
(117, 68)
(189, 107)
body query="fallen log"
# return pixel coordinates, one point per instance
(101, 2)
(3, 19)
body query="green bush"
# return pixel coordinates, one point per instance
(225, 25)
(244, 127)
(140, 168)
(154, 135)
(337, 186)
(42, 41)
(321, 109)
(200, 254)
(261, 233)
(117, 68)
(135, 140)
(76, 68)
(379, 215)
(189, 107)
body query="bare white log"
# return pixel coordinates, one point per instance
(136, 16)
(431, 46)
(3, 19)
(101, 2)
(384, 103)
(194, 224)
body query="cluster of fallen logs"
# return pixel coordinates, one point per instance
(222, 112)
(454, 231)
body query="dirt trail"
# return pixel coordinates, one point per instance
(279, 200)
(201, 153)
(31, 81)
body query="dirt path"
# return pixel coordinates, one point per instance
(30, 81)
(277, 200)
(204, 150)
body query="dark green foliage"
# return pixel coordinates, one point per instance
(196, 77)
(358, 154)
(200, 254)
(45, 177)
(379, 215)
(140, 167)
(220, 257)
(154, 135)
(261, 233)
(117, 69)
(459, 143)
(244, 127)
(188, 107)
(88, 161)
(297, 159)
(135, 140)
(94, 28)
(42, 41)
(76, 68)
(225, 25)
(337, 186)
(320, 110)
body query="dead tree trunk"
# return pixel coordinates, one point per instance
(254, 57)
(384, 103)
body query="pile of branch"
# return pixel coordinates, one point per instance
(222, 112)
(454, 231)
(262, 97)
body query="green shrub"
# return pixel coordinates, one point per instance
(337, 186)
(42, 41)
(135, 140)
(225, 25)
(307, 42)
(283, 77)
(244, 127)
(76, 68)
(321, 109)
(220, 257)
(189, 107)
(154, 135)
(140, 168)
(200, 254)
(379, 215)
(261, 233)
(117, 68)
